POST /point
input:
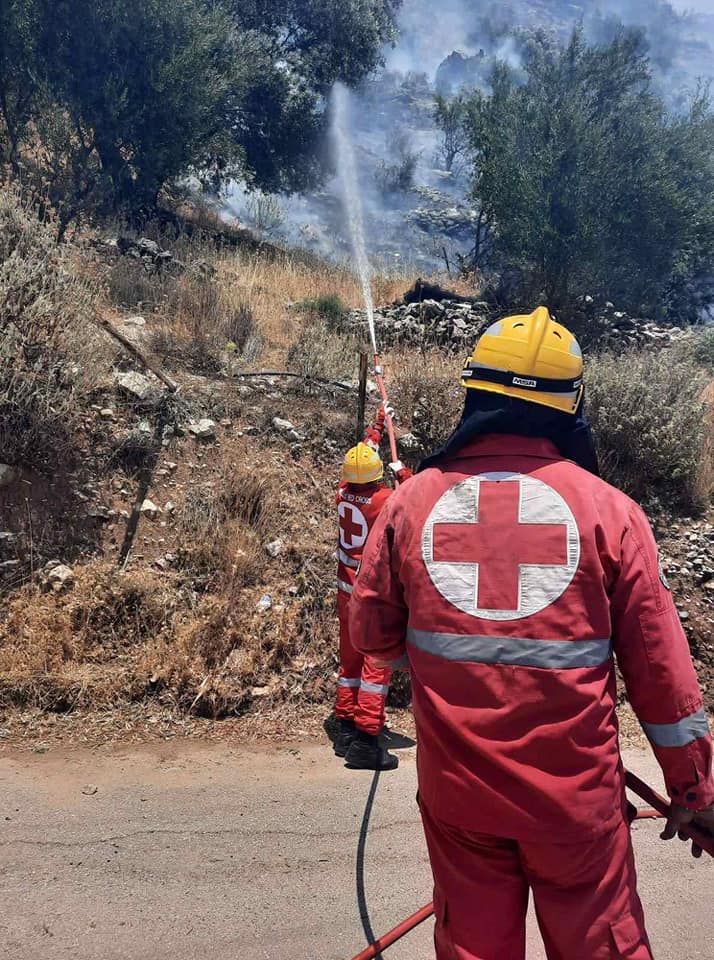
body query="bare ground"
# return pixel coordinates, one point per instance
(181, 850)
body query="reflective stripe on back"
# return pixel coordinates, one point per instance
(515, 651)
(347, 560)
(678, 734)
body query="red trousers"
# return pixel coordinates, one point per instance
(585, 896)
(362, 687)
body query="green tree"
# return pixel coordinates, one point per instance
(450, 117)
(127, 96)
(591, 185)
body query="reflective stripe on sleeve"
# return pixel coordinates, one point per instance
(349, 682)
(515, 651)
(678, 734)
(347, 560)
(381, 688)
(344, 587)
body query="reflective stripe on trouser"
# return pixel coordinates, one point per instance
(585, 896)
(362, 687)
(514, 651)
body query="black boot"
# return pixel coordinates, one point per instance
(365, 753)
(345, 737)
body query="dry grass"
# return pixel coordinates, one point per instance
(704, 489)
(270, 284)
(48, 343)
(426, 393)
(224, 523)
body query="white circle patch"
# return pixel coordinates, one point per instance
(501, 546)
(353, 526)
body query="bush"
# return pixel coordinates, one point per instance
(398, 177)
(48, 345)
(323, 354)
(223, 525)
(199, 322)
(330, 307)
(704, 349)
(426, 394)
(648, 415)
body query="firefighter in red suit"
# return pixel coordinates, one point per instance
(362, 685)
(511, 574)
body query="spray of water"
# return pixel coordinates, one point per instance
(351, 197)
(352, 200)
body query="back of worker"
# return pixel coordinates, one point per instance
(511, 662)
(510, 574)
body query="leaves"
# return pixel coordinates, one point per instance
(593, 186)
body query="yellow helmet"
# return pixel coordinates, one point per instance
(529, 357)
(362, 465)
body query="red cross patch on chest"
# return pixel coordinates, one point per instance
(501, 546)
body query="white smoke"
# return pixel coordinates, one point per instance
(398, 108)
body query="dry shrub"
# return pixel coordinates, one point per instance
(131, 284)
(78, 648)
(319, 352)
(215, 663)
(648, 415)
(703, 346)
(199, 323)
(50, 351)
(426, 393)
(223, 525)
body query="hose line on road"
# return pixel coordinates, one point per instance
(639, 787)
(361, 855)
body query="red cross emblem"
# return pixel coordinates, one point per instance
(501, 546)
(353, 526)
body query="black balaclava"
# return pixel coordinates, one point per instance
(486, 413)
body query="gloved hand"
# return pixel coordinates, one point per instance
(396, 467)
(680, 817)
(389, 410)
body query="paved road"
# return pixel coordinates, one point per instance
(190, 851)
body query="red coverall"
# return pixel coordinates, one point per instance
(362, 686)
(511, 576)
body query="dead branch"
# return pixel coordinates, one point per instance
(138, 354)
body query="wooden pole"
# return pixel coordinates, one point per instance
(140, 356)
(362, 401)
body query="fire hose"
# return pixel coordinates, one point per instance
(379, 376)
(661, 808)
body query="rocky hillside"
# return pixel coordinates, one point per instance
(167, 542)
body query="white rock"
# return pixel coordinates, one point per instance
(150, 510)
(170, 507)
(135, 322)
(265, 603)
(59, 577)
(106, 413)
(102, 512)
(284, 426)
(203, 429)
(134, 385)
(275, 548)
